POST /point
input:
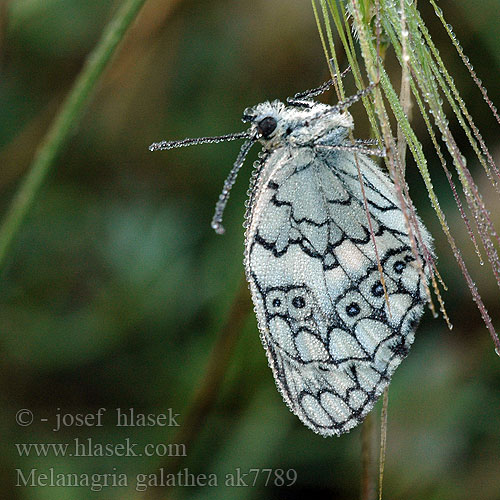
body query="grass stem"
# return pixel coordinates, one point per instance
(71, 111)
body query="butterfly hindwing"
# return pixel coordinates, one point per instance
(331, 342)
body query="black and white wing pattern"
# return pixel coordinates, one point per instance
(332, 337)
(310, 260)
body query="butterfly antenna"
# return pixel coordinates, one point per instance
(159, 146)
(228, 184)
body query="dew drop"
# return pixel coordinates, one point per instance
(438, 10)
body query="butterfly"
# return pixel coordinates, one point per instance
(337, 288)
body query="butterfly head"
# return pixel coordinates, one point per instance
(274, 124)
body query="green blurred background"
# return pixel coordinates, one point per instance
(116, 289)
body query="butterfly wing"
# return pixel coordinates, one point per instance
(331, 340)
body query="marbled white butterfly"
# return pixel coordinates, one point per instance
(316, 240)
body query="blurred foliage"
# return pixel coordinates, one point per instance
(116, 288)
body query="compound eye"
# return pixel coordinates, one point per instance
(267, 126)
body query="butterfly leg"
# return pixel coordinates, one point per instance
(303, 99)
